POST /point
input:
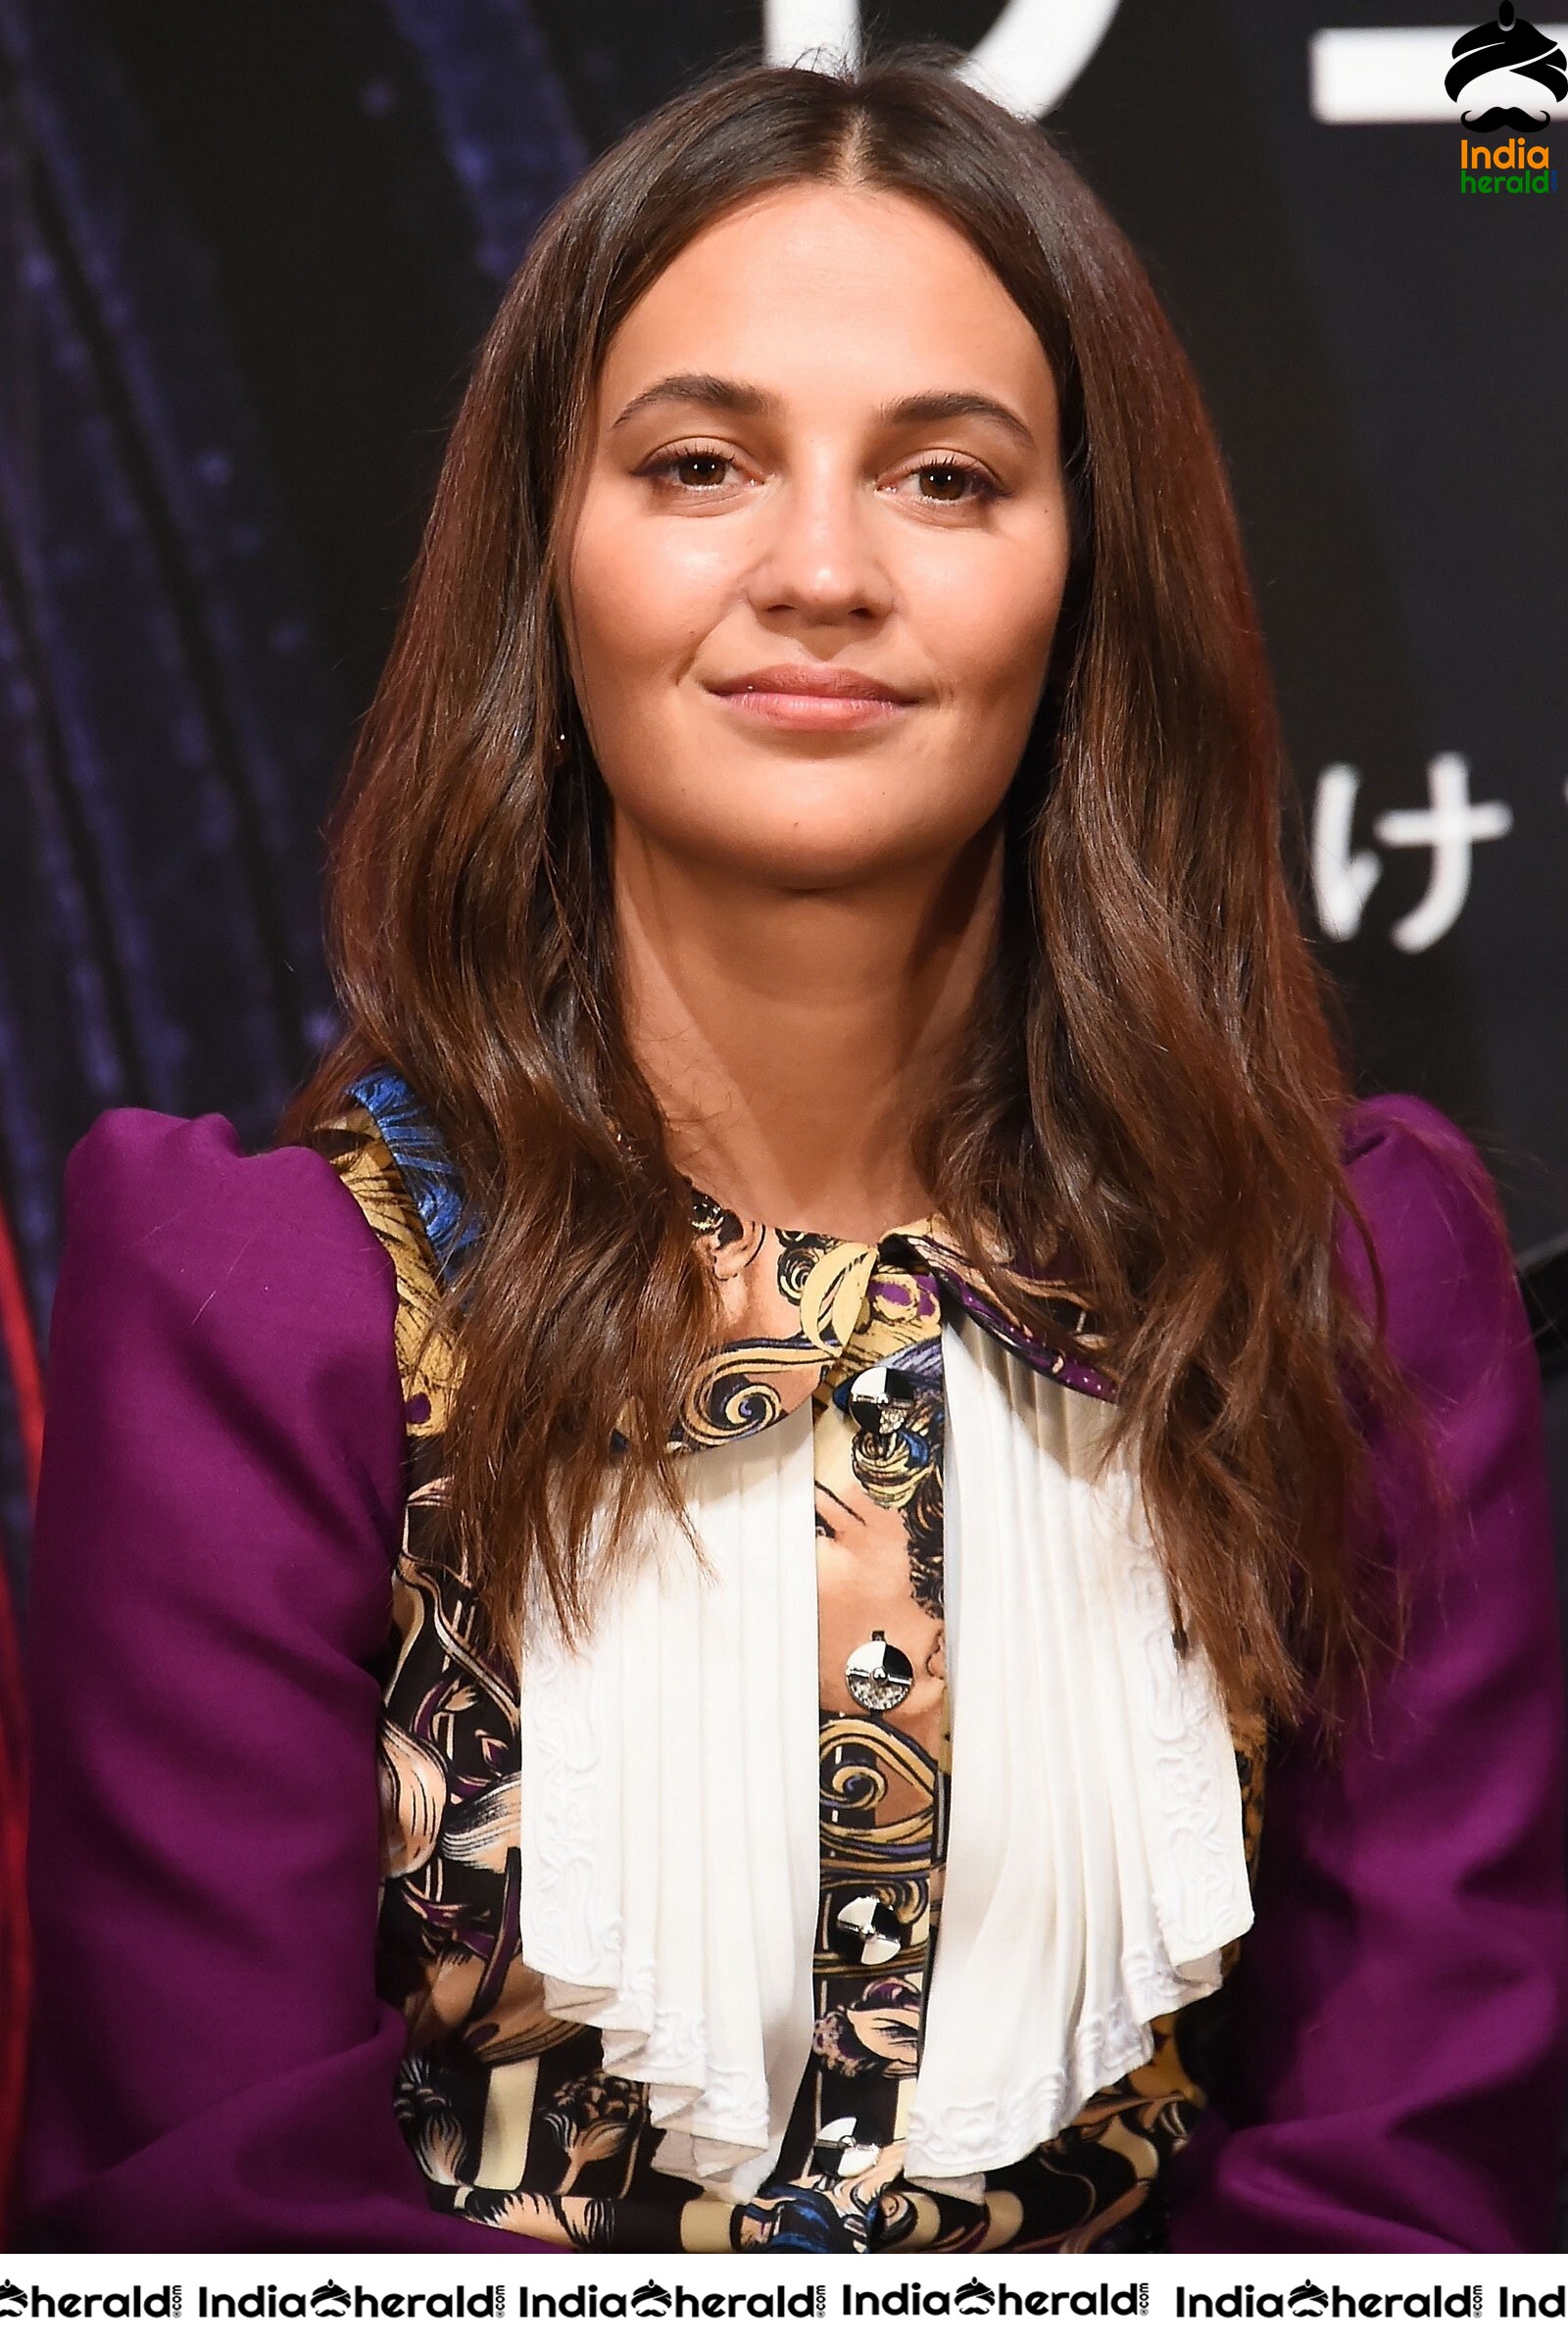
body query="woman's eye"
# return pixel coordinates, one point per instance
(949, 483)
(693, 468)
(952, 484)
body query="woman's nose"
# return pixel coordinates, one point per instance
(822, 559)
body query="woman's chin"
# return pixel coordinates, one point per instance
(799, 857)
(792, 828)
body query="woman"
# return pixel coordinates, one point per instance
(825, 783)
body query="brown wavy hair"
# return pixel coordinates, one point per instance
(1150, 1078)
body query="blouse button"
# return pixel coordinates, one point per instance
(837, 2155)
(878, 1674)
(879, 1399)
(869, 1931)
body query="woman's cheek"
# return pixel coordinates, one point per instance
(993, 675)
(989, 624)
(616, 608)
(652, 611)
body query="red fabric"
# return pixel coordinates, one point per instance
(14, 1943)
(26, 1386)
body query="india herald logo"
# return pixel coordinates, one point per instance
(1499, 66)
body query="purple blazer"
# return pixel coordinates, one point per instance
(221, 1506)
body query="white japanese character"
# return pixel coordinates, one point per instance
(1343, 881)
(1449, 825)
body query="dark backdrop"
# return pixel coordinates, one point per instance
(246, 252)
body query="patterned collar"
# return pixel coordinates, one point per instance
(791, 1300)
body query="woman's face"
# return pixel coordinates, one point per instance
(818, 544)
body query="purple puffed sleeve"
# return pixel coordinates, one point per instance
(220, 1502)
(1393, 2067)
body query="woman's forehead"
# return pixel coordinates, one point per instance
(819, 286)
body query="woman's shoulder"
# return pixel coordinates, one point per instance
(1431, 1217)
(161, 1200)
(224, 1432)
(1397, 1146)
(189, 1243)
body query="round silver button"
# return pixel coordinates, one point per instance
(880, 1399)
(867, 1931)
(878, 1674)
(838, 2153)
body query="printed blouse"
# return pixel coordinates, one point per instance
(515, 2117)
(225, 1527)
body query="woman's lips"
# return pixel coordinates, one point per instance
(814, 699)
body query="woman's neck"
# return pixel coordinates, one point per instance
(792, 1038)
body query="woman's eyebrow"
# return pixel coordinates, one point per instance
(952, 406)
(701, 390)
(718, 391)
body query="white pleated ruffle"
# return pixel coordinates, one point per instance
(668, 1809)
(669, 1795)
(1096, 1866)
